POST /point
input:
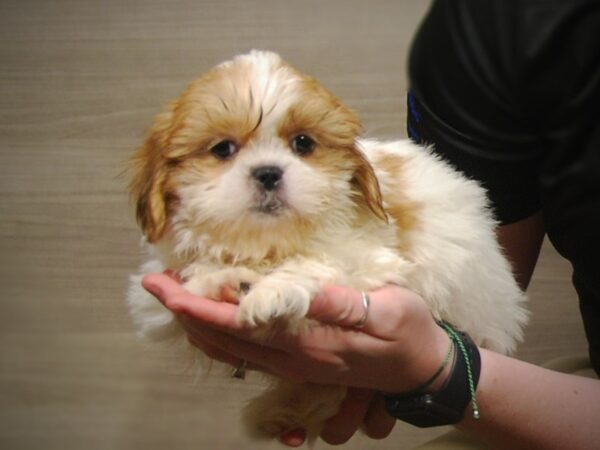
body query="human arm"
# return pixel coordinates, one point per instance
(521, 242)
(524, 406)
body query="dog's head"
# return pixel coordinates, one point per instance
(253, 151)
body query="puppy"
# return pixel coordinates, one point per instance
(256, 179)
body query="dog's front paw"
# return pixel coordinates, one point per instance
(275, 302)
(226, 285)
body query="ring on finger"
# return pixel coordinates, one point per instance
(239, 372)
(366, 302)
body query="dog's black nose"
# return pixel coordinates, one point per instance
(268, 176)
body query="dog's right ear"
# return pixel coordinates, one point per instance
(367, 183)
(149, 170)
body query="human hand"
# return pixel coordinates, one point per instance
(399, 347)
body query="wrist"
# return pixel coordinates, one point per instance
(445, 353)
(432, 363)
(448, 404)
(427, 365)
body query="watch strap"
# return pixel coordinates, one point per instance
(447, 405)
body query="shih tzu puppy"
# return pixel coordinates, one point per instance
(257, 180)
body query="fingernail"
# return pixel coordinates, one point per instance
(173, 275)
(294, 438)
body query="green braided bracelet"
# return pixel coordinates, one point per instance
(455, 337)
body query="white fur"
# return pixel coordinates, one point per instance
(452, 257)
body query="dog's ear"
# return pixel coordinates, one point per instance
(149, 173)
(366, 182)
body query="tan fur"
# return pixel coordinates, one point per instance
(404, 211)
(149, 169)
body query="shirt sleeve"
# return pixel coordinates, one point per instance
(464, 101)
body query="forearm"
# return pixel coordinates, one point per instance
(521, 242)
(527, 407)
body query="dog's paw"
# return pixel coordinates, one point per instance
(227, 285)
(288, 406)
(274, 302)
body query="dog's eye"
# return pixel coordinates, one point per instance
(303, 144)
(224, 149)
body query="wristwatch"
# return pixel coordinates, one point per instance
(446, 406)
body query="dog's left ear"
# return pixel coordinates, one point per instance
(366, 182)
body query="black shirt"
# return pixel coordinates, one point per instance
(508, 91)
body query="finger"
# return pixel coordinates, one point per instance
(386, 312)
(340, 428)
(345, 307)
(229, 294)
(208, 312)
(378, 424)
(265, 359)
(294, 438)
(338, 305)
(214, 352)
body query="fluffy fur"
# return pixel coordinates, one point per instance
(336, 209)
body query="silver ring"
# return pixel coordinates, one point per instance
(366, 303)
(240, 371)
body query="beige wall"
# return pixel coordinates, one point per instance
(79, 82)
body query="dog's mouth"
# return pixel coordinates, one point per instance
(270, 203)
